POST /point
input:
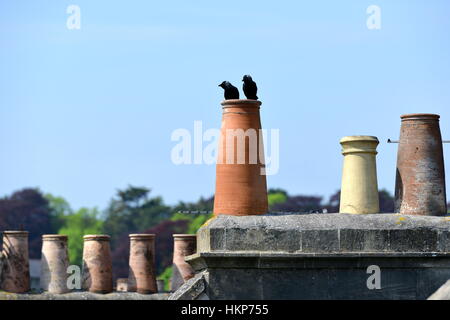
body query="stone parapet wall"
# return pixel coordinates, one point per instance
(321, 256)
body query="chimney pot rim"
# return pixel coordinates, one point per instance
(101, 237)
(420, 116)
(182, 236)
(142, 235)
(54, 236)
(359, 138)
(241, 103)
(15, 233)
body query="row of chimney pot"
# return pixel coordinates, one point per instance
(97, 274)
(420, 178)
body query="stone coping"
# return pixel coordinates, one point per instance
(298, 220)
(325, 233)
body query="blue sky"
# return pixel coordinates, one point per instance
(85, 112)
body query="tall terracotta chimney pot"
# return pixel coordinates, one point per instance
(142, 277)
(241, 187)
(16, 268)
(420, 178)
(184, 245)
(359, 190)
(97, 264)
(54, 263)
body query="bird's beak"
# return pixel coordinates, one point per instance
(219, 85)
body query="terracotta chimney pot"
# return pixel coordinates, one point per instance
(16, 268)
(141, 277)
(184, 245)
(240, 170)
(97, 264)
(54, 263)
(420, 178)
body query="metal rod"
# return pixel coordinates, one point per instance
(396, 141)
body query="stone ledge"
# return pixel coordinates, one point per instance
(325, 233)
(263, 260)
(193, 289)
(83, 296)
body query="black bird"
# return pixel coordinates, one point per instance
(249, 88)
(231, 92)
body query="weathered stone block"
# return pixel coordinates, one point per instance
(320, 241)
(419, 240)
(356, 240)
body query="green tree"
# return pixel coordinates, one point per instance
(197, 222)
(132, 211)
(276, 196)
(59, 209)
(75, 226)
(165, 276)
(27, 209)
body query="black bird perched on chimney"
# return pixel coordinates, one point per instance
(231, 92)
(249, 88)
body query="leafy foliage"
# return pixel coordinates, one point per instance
(75, 226)
(166, 276)
(276, 196)
(133, 211)
(28, 210)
